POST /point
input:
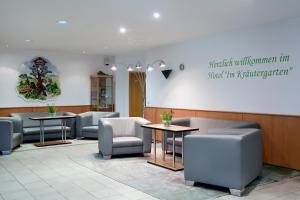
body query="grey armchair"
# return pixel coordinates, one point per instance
(225, 157)
(10, 134)
(123, 136)
(87, 123)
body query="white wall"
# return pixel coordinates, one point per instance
(122, 77)
(191, 88)
(75, 71)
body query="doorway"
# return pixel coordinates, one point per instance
(137, 93)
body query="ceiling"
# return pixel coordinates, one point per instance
(94, 24)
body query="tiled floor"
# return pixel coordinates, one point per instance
(42, 174)
(283, 190)
(49, 173)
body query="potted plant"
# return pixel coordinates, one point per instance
(166, 118)
(52, 110)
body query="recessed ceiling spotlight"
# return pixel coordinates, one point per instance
(62, 22)
(27, 40)
(122, 30)
(156, 15)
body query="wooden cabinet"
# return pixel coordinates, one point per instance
(102, 93)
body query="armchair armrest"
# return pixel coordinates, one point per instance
(82, 120)
(17, 123)
(111, 115)
(105, 138)
(144, 134)
(6, 137)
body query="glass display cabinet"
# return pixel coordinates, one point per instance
(102, 93)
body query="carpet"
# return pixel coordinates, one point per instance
(165, 184)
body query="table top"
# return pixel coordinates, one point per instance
(171, 128)
(52, 117)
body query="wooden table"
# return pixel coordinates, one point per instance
(174, 129)
(63, 119)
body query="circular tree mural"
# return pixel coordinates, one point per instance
(38, 80)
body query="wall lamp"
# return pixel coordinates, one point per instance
(160, 63)
(150, 67)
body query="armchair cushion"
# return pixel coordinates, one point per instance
(178, 141)
(91, 129)
(126, 142)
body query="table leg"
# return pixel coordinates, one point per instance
(154, 145)
(173, 149)
(163, 144)
(182, 146)
(65, 128)
(42, 131)
(62, 130)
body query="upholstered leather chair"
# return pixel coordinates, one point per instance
(10, 134)
(229, 158)
(123, 136)
(87, 123)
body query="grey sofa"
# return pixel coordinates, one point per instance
(229, 158)
(31, 128)
(10, 134)
(204, 125)
(87, 123)
(123, 136)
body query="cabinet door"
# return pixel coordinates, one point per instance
(94, 93)
(102, 93)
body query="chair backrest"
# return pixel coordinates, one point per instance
(123, 126)
(34, 123)
(98, 115)
(204, 124)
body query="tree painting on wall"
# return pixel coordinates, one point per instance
(38, 80)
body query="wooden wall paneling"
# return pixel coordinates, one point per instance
(286, 141)
(201, 113)
(7, 111)
(149, 114)
(266, 124)
(183, 113)
(220, 115)
(75, 109)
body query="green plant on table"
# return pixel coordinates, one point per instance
(52, 109)
(166, 118)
